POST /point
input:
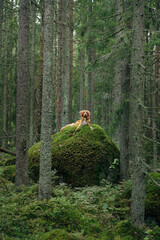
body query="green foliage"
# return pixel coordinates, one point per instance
(97, 212)
(152, 234)
(9, 172)
(82, 157)
(126, 230)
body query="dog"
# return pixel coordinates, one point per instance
(84, 121)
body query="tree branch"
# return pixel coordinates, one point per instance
(153, 179)
(7, 151)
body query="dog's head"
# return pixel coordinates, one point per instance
(85, 114)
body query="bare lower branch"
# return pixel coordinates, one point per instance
(7, 151)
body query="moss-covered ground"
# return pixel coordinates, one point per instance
(95, 212)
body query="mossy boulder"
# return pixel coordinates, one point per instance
(81, 157)
(152, 204)
(57, 234)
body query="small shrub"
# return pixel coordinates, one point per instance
(127, 231)
(9, 173)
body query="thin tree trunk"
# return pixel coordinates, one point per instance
(55, 64)
(39, 84)
(156, 95)
(59, 89)
(47, 103)
(124, 125)
(118, 72)
(82, 87)
(65, 62)
(1, 21)
(5, 79)
(89, 53)
(32, 82)
(89, 82)
(125, 95)
(22, 114)
(136, 116)
(93, 84)
(155, 108)
(71, 2)
(82, 66)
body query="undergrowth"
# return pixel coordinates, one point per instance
(98, 212)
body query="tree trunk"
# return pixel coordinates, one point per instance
(71, 2)
(136, 116)
(118, 72)
(91, 52)
(155, 97)
(47, 103)
(82, 65)
(124, 124)
(155, 108)
(5, 79)
(32, 82)
(22, 114)
(39, 84)
(59, 88)
(66, 62)
(93, 84)
(55, 64)
(1, 21)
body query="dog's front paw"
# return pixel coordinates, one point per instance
(91, 128)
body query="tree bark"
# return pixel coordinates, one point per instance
(118, 72)
(39, 83)
(59, 87)
(1, 21)
(32, 82)
(124, 124)
(125, 95)
(22, 114)
(71, 2)
(136, 116)
(65, 63)
(82, 64)
(155, 98)
(155, 108)
(89, 54)
(47, 103)
(5, 79)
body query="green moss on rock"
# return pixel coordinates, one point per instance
(57, 234)
(152, 204)
(83, 157)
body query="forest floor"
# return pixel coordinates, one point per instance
(97, 212)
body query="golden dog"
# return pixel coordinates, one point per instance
(84, 121)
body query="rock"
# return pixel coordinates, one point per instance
(57, 234)
(82, 157)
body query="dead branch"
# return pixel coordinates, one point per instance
(153, 179)
(7, 151)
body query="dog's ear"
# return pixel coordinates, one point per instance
(81, 112)
(88, 113)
